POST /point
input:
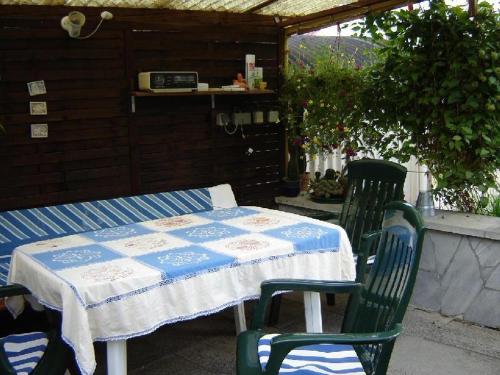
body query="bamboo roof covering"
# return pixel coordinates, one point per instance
(296, 16)
(279, 7)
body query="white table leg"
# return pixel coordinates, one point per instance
(117, 357)
(239, 318)
(312, 307)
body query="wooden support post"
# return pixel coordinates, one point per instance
(472, 8)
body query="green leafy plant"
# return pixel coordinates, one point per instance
(333, 184)
(495, 206)
(321, 103)
(434, 94)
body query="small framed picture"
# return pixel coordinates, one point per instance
(39, 130)
(38, 108)
(36, 88)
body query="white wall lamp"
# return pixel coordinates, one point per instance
(74, 22)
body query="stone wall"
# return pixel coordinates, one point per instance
(459, 273)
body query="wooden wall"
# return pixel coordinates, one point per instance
(96, 148)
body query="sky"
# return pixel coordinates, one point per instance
(332, 30)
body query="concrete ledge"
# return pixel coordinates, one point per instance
(303, 201)
(465, 224)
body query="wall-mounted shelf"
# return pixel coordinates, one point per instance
(210, 92)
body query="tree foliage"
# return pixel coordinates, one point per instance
(435, 93)
(322, 101)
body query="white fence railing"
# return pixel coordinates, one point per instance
(336, 161)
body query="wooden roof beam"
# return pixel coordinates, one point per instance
(260, 6)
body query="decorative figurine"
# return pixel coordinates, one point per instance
(240, 81)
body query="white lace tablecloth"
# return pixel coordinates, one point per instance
(127, 281)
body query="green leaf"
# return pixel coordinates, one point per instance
(486, 138)
(483, 152)
(472, 102)
(455, 97)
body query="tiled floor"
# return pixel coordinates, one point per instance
(431, 344)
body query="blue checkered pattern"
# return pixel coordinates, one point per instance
(21, 227)
(322, 359)
(307, 236)
(207, 232)
(186, 260)
(179, 248)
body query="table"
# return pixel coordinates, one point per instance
(118, 283)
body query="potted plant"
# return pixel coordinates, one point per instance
(434, 93)
(330, 188)
(326, 96)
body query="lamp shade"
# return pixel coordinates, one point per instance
(73, 23)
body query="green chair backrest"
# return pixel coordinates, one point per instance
(383, 300)
(371, 185)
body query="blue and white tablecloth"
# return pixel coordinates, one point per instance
(126, 281)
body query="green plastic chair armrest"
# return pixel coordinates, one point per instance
(269, 287)
(13, 290)
(281, 345)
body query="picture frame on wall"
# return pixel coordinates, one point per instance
(36, 88)
(38, 108)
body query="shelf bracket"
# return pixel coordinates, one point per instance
(212, 98)
(132, 104)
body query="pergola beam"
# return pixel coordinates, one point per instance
(260, 6)
(312, 22)
(472, 8)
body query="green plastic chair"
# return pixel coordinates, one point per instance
(38, 352)
(373, 316)
(371, 184)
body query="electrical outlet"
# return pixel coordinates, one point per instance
(273, 117)
(223, 119)
(39, 130)
(242, 118)
(258, 117)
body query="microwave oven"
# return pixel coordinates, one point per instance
(168, 81)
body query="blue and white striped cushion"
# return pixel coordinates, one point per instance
(4, 269)
(24, 350)
(322, 359)
(19, 227)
